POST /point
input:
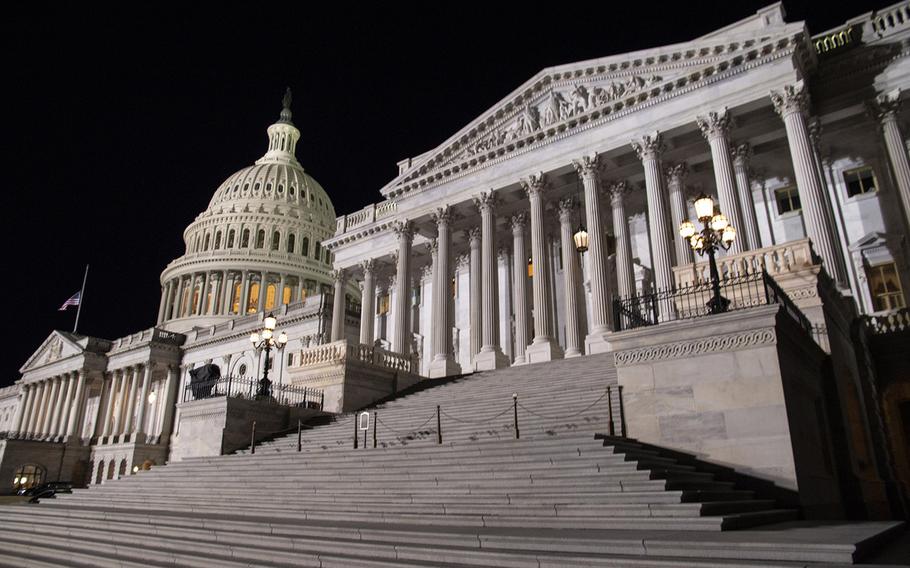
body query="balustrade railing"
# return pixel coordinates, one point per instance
(775, 260)
(344, 350)
(694, 301)
(245, 387)
(892, 322)
(367, 215)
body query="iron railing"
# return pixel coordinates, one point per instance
(688, 302)
(245, 387)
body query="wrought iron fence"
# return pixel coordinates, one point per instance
(693, 301)
(245, 387)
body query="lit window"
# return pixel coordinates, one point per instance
(235, 302)
(287, 295)
(271, 296)
(530, 268)
(253, 301)
(382, 306)
(860, 181)
(787, 200)
(885, 286)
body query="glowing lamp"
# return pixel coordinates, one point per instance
(719, 222)
(270, 322)
(282, 338)
(135, 469)
(266, 334)
(704, 206)
(687, 229)
(254, 338)
(581, 239)
(697, 242)
(153, 396)
(729, 235)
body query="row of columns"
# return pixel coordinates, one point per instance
(52, 408)
(177, 303)
(124, 412)
(666, 209)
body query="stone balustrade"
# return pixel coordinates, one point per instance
(775, 260)
(892, 322)
(343, 350)
(370, 213)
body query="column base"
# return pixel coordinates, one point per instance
(542, 352)
(598, 342)
(490, 360)
(443, 368)
(570, 353)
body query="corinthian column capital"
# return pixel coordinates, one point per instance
(404, 229)
(886, 106)
(473, 235)
(443, 215)
(742, 153)
(338, 275)
(368, 266)
(649, 146)
(791, 99)
(566, 209)
(676, 173)
(618, 191)
(588, 165)
(534, 184)
(518, 222)
(485, 201)
(714, 124)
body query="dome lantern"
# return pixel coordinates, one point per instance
(283, 136)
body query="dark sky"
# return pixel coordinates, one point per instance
(119, 126)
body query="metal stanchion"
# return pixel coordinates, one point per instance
(375, 420)
(253, 439)
(611, 428)
(438, 426)
(299, 439)
(515, 407)
(622, 414)
(355, 430)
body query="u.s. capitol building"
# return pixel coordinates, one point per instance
(470, 260)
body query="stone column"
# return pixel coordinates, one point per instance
(178, 301)
(473, 236)
(790, 103)
(648, 149)
(279, 299)
(162, 307)
(520, 286)
(50, 405)
(886, 108)
(230, 282)
(587, 169)
(443, 363)
(625, 272)
(131, 402)
(544, 346)
(676, 175)
(247, 280)
(490, 355)
(122, 396)
(263, 288)
(59, 402)
(368, 304)
(38, 409)
(71, 385)
(203, 306)
(21, 409)
(298, 290)
(170, 392)
(742, 153)
(78, 406)
(338, 277)
(715, 126)
(570, 275)
(108, 418)
(401, 340)
(142, 402)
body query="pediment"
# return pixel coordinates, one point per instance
(58, 345)
(562, 100)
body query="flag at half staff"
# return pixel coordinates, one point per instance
(73, 301)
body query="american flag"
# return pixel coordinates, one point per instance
(73, 301)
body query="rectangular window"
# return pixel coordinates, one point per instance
(859, 181)
(382, 306)
(787, 200)
(885, 287)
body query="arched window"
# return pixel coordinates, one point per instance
(245, 238)
(217, 240)
(276, 240)
(28, 476)
(328, 257)
(291, 242)
(208, 238)
(99, 474)
(317, 253)
(111, 465)
(230, 241)
(253, 301)
(260, 238)
(305, 248)
(271, 296)
(235, 301)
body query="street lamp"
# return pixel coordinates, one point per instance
(266, 341)
(716, 233)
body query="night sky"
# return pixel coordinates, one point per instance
(119, 126)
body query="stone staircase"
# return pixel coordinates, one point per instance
(563, 494)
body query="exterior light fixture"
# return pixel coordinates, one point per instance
(716, 233)
(265, 340)
(581, 239)
(153, 396)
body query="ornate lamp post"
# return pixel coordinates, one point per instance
(266, 341)
(716, 232)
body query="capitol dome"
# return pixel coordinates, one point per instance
(258, 243)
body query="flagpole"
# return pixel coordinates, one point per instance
(81, 299)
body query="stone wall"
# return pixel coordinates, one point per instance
(61, 462)
(742, 389)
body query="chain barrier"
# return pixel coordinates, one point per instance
(425, 422)
(582, 411)
(484, 421)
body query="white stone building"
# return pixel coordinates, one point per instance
(467, 263)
